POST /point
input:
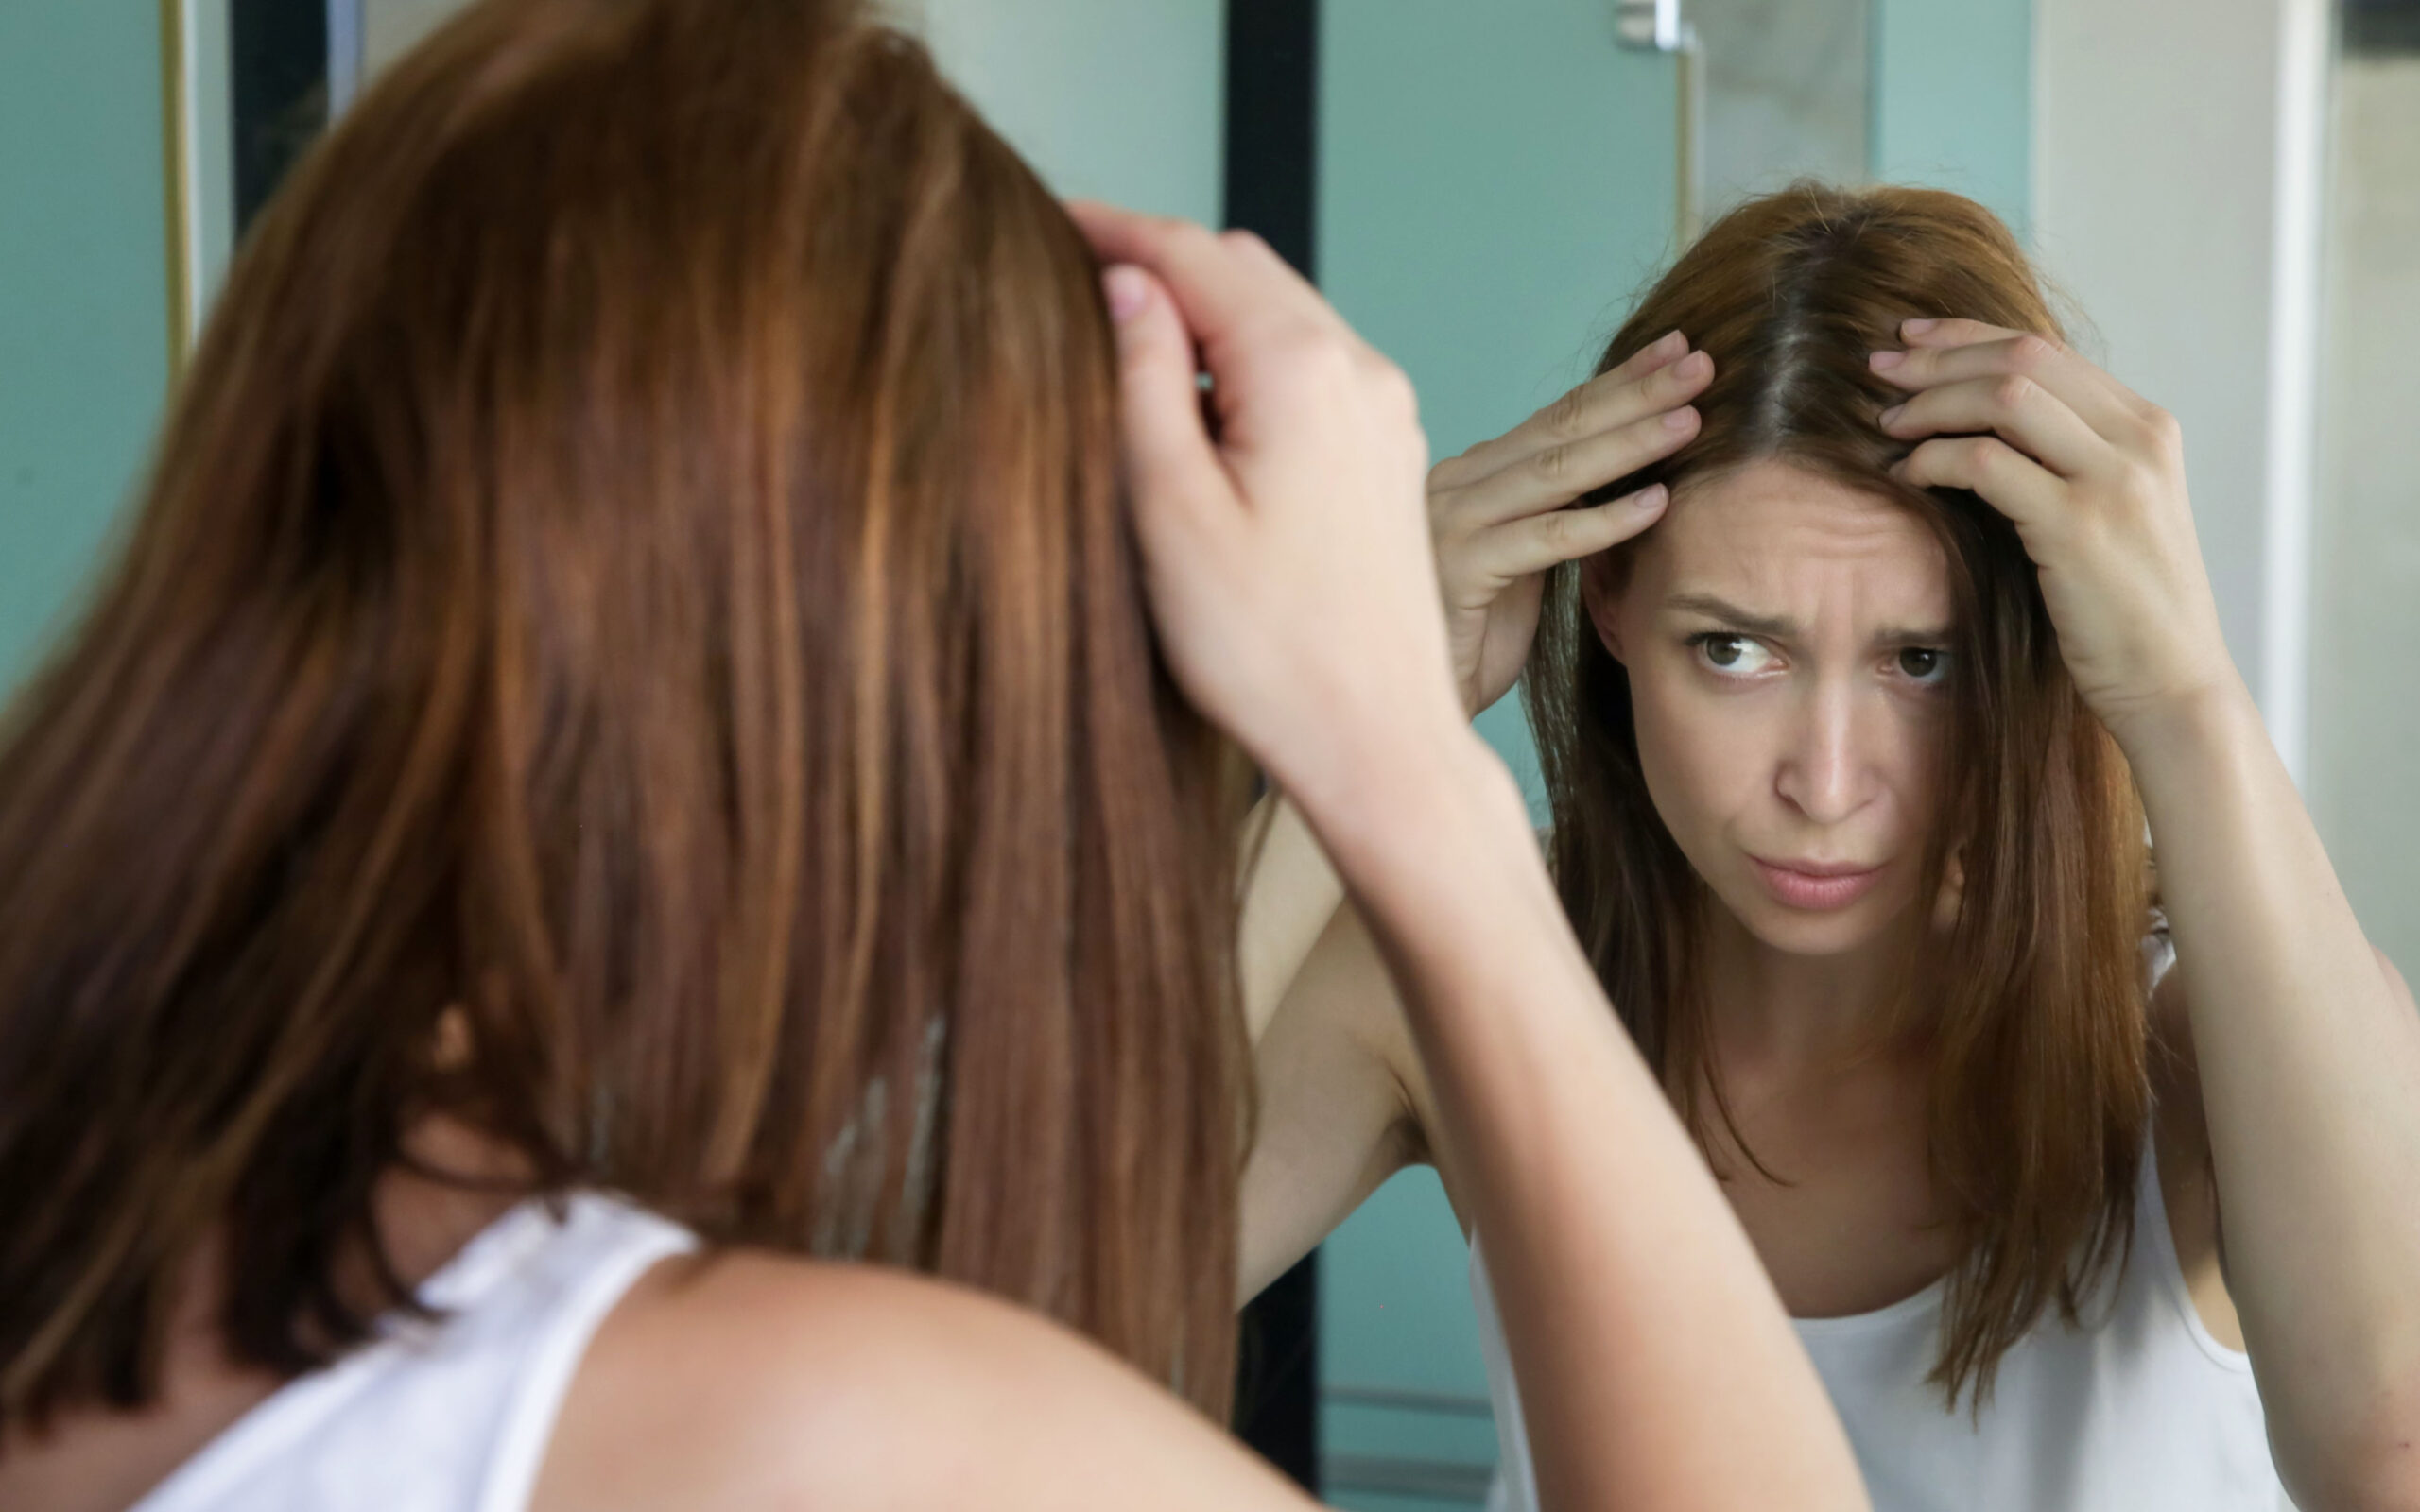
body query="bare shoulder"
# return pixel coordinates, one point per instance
(753, 1381)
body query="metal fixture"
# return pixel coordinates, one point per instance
(1658, 26)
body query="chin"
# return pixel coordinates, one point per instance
(1797, 935)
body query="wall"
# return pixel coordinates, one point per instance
(83, 293)
(1953, 99)
(2159, 212)
(1787, 94)
(1109, 100)
(390, 28)
(2365, 693)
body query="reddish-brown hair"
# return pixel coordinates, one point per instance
(2031, 1000)
(638, 560)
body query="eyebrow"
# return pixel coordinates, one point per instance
(1732, 614)
(1725, 612)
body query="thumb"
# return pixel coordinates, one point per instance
(1172, 467)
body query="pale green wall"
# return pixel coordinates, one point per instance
(83, 293)
(1111, 99)
(1496, 182)
(1953, 99)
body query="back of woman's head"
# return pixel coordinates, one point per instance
(632, 642)
(2030, 998)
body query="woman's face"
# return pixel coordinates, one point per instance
(1786, 637)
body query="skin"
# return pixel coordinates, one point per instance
(1782, 637)
(1784, 724)
(755, 1381)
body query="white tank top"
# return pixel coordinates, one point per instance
(2140, 1410)
(447, 1414)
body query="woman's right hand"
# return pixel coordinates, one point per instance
(1499, 515)
(1287, 558)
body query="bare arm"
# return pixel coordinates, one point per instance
(2308, 1046)
(1343, 1098)
(2309, 1050)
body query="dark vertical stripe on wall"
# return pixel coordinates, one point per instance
(2381, 26)
(1273, 187)
(278, 77)
(1272, 124)
(1277, 1373)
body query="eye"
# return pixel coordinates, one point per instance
(1923, 664)
(1736, 656)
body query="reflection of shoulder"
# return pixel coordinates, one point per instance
(757, 1380)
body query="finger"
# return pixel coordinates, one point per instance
(1949, 351)
(1173, 470)
(2013, 408)
(1219, 285)
(1553, 476)
(1657, 378)
(2007, 479)
(1665, 350)
(1921, 331)
(1539, 541)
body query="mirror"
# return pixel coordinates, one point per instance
(1484, 189)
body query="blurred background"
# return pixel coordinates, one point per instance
(2227, 193)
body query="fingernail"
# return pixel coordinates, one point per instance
(1681, 418)
(1885, 361)
(1891, 414)
(1918, 327)
(1695, 366)
(1671, 341)
(1126, 290)
(1649, 497)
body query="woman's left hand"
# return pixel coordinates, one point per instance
(2093, 475)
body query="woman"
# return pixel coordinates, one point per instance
(638, 737)
(1844, 756)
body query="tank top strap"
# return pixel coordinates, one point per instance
(619, 1245)
(446, 1413)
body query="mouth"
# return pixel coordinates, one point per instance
(1816, 886)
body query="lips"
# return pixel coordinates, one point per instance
(1817, 886)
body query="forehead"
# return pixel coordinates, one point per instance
(1779, 539)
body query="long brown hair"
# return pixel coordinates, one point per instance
(637, 571)
(2032, 1002)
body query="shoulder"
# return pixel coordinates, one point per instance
(748, 1380)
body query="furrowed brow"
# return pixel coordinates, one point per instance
(1731, 616)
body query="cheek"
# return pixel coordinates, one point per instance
(1917, 744)
(1703, 755)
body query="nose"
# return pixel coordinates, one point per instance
(1825, 773)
